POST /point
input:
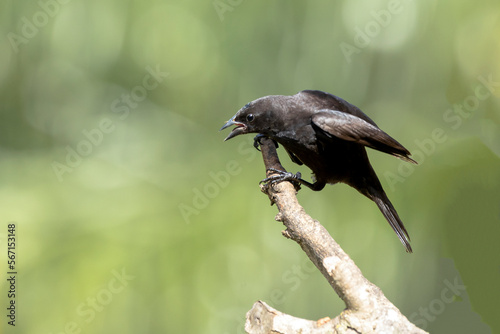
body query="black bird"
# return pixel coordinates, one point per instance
(329, 135)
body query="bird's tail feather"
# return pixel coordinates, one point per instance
(392, 217)
(369, 185)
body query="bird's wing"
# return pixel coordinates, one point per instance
(332, 102)
(352, 128)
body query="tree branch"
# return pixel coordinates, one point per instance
(367, 309)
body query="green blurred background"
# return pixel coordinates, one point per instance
(133, 216)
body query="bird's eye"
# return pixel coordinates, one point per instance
(250, 117)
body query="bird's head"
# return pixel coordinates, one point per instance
(255, 117)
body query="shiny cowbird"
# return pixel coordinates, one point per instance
(329, 135)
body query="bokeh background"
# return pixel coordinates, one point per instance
(133, 216)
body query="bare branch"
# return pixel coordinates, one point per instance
(262, 318)
(367, 309)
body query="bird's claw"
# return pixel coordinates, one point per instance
(281, 176)
(257, 143)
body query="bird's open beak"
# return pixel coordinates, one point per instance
(238, 130)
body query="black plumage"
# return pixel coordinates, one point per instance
(329, 135)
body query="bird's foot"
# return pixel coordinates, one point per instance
(280, 177)
(257, 143)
